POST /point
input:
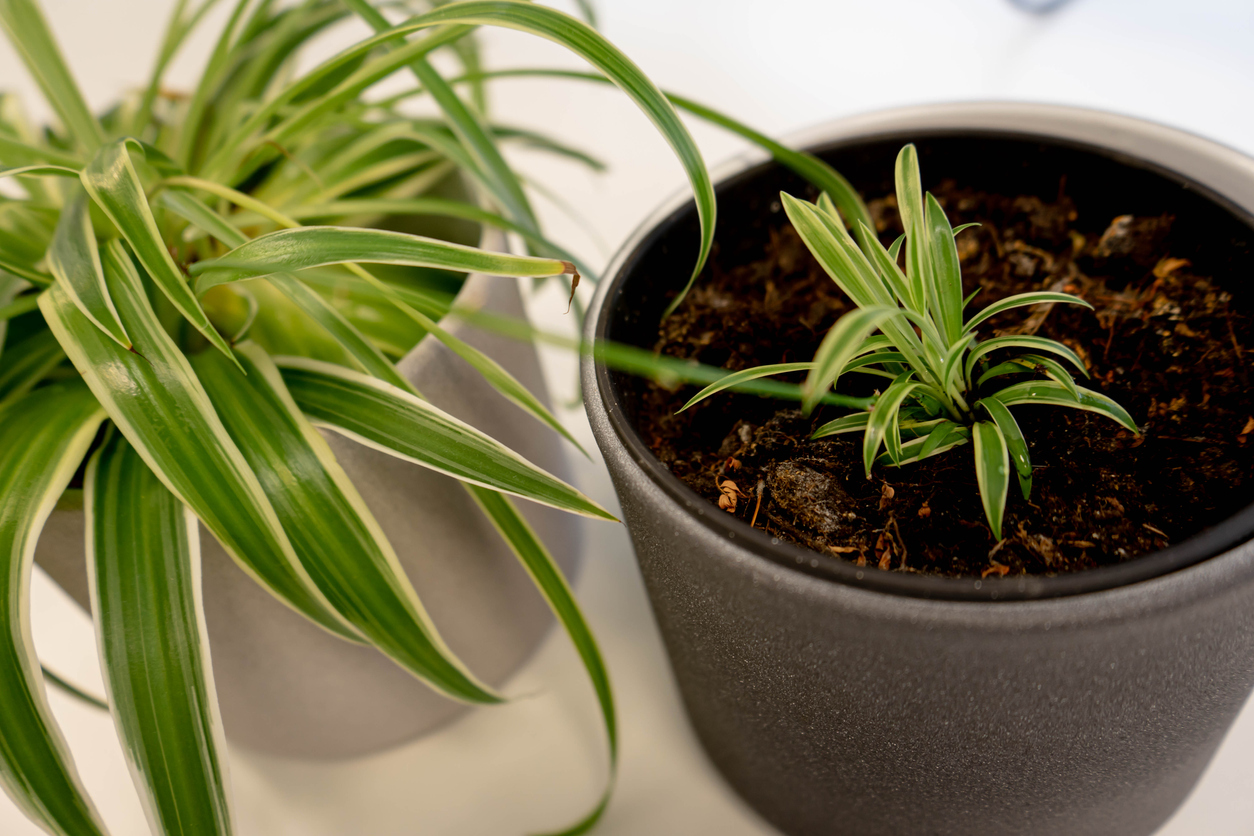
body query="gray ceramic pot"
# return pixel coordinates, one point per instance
(839, 700)
(287, 687)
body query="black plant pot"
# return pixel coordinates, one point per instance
(839, 700)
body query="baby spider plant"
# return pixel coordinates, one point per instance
(945, 386)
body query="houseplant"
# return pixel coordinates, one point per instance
(838, 697)
(158, 249)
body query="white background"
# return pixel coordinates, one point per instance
(781, 65)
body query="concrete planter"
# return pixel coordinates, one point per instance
(839, 700)
(288, 688)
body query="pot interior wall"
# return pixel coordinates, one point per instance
(1213, 234)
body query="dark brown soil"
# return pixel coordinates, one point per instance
(1163, 341)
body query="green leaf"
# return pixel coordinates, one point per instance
(1023, 341)
(29, 34)
(918, 238)
(74, 260)
(744, 376)
(947, 272)
(1013, 437)
(944, 439)
(334, 534)
(961, 227)
(289, 250)
(937, 440)
(43, 437)
(399, 423)
(548, 579)
(588, 44)
(154, 398)
(114, 185)
(886, 263)
(370, 358)
(27, 363)
(143, 559)
(473, 134)
(844, 424)
(1055, 394)
(1019, 300)
(73, 690)
(1055, 370)
(839, 346)
(992, 472)
(883, 416)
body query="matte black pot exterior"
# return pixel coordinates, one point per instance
(837, 704)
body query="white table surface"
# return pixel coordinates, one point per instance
(539, 763)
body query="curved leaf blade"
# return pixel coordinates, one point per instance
(43, 437)
(74, 260)
(396, 422)
(154, 398)
(1019, 300)
(844, 424)
(1016, 445)
(111, 180)
(1055, 394)
(290, 250)
(590, 45)
(744, 376)
(1023, 341)
(143, 558)
(27, 363)
(334, 534)
(841, 344)
(883, 416)
(992, 472)
(547, 577)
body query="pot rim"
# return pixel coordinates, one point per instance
(1219, 173)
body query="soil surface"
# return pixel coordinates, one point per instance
(1165, 342)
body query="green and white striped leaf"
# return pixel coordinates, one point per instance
(1023, 341)
(947, 272)
(839, 346)
(155, 399)
(474, 135)
(43, 437)
(844, 424)
(918, 238)
(29, 34)
(74, 260)
(192, 209)
(1019, 300)
(27, 363)
(547, 577)
(590, 45)
(1055, 370)
(398, 423)
(944, 437)
(883, 418)
(143, 559)
(1016, 445)
(290, 250)
(114, 185)
(992, 472)
(336, 537)
(1055, 394)
(744, 376)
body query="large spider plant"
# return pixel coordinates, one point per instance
(173, 326)
(945, 387)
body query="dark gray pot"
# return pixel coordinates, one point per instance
(841, 700)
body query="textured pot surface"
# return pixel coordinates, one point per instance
(285, 686)
(839, 701)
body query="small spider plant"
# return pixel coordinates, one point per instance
(944, 386)
(172, 331)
